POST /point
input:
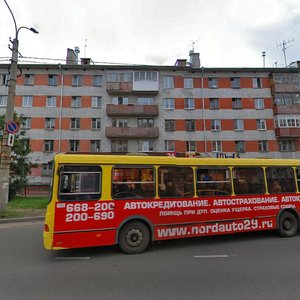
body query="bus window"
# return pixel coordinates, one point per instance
(175, 182)
(133, 182)
(298, 177)
(213, 181)
(247, 181)
(79, 182)
(280, 179)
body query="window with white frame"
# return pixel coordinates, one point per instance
(145, 76)
(259, 103)
(169, 145)
(287, 121)
(96, 102)
(27, 101)
(238, 124)
(215, 125)
(188, 83)
(119, 146)
(263, 146)
(74, 145)
(76, 102)
(97, 80)
(257, 83)
(213, 83)
(77, 80)
(48, 145)
(75, 123)
(261, 124)
(169, 125)
(119, 122)
(216, 146)
(145, 145)
(240, 146)
(190, 125)
(52, 80)
(95, 145)
(96, 123)
(189, 103)
(50, 123)
(191, 146)
(47, 169)
(236, 103)
(120, 100)
(3, 101)
(26, 123)
(29, 79)
(3, 79)
(286, 145)
(168, 82)
(169, 103)
(145, 122)
(214, 103)
(235, 82)
(51, 101)
(144, 101)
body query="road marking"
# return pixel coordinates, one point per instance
(214, 256)
(72, 258)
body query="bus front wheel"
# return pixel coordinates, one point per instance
(134, 237)
(287, 225)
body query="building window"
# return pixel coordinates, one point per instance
(169, 103)
(96, 123)
(119, 146)
(169, 125)
(287, 121)
(96, 102)
(51, 101)
(47, 169)
(216, 146)
(120, 100)
(74, 145)
(145, 122)
(169, 145)
(50, 123)
(48, 145)
(213, 83)
(3, 101)
(259, 103)
(287, 99)
(77, 80)
(27, 101)
(144, 101)
(168, 82)
(214, 103)
(95, 145)
(286, 145)
(75, 123)
(97, 80)
(145, 76)
(120, 123)
(145, 145)
(188, 83)
(235, 83)
(190, 125)
(189, 103)
(263, 146)
(236, 103)
(76, 101)
(261, 124)
(215, 125)
(3, 79)
(191, 146)
(52, 80)
(26, 123)
(238, 124)
(239, 146)
(257, 83)
(119, 77)
(29, 79)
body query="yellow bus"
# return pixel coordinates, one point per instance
(133, 200)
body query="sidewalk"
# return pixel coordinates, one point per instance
(22, 219)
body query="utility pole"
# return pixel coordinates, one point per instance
(284, 48)
(5, 157)
(264, 58)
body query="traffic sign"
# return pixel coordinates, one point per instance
(11, 127)
(10, 139)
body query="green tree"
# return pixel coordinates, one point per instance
(20, 166)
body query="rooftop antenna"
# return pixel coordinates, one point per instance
(284, 48)
(85, 46)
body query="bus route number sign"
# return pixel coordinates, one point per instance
(12, 127)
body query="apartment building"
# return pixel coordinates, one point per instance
(218, 112)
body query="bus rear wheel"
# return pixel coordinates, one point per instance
(134, 237)
(288, 224)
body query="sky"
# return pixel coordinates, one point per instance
(226, 33)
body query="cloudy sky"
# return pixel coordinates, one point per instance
(227, 33)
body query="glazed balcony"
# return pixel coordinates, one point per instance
(132, 132)
(132, 110)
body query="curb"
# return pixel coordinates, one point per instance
(18, 220)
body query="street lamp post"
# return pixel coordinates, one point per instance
(5, 158)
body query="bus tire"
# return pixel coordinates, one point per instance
(287, 224)
(134, 237)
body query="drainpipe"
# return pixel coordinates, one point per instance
(203, 110)
(60, 107)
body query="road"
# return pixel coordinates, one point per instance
(242, 266)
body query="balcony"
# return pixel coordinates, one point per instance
(132, 110)
(287, 132)
(287, 109)
(132, 132)
(119, 88)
